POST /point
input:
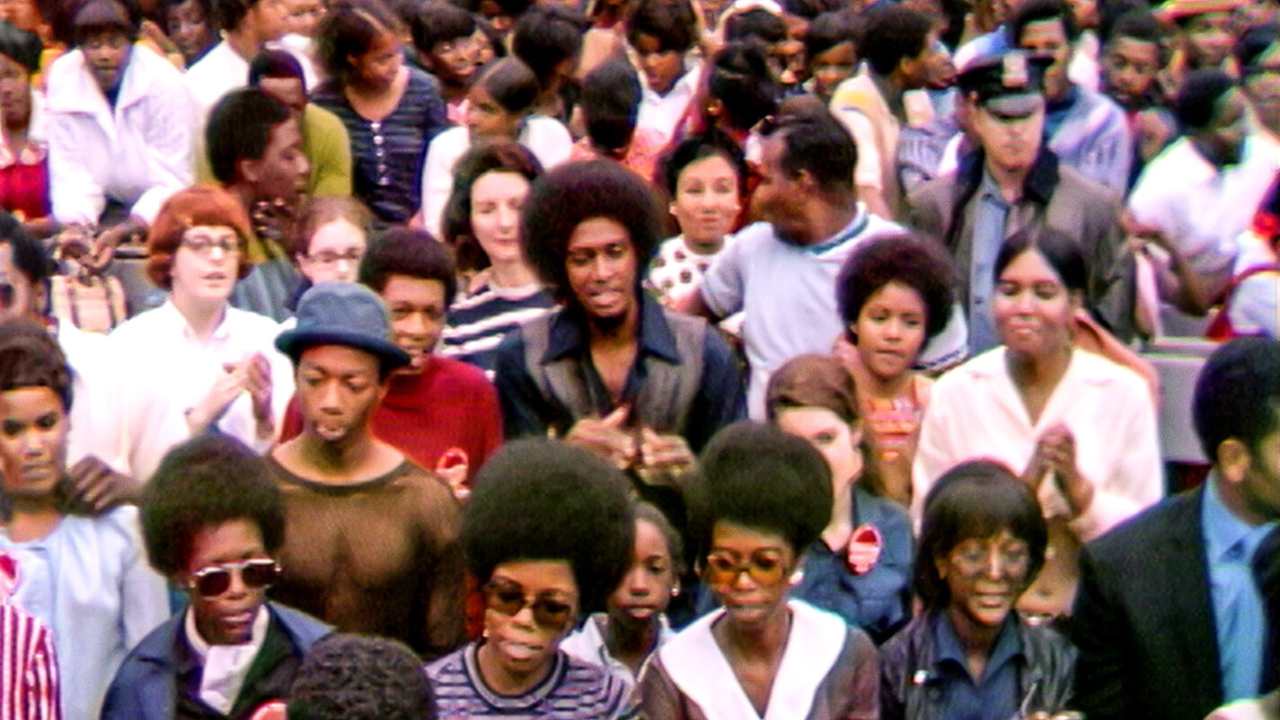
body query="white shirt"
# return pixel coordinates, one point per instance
(663, 113)
(975, 411)
(138, 153)
(222, 70)
(162, 370)
(1199, 208)
(92, 413)
(547, 138)
(223, 668)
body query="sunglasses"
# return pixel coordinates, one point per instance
(724, 568)
(215, 580)
(508, 598)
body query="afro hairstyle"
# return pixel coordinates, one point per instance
(539, 499)
(207, 481)
(921, 265)
(760, 477)
(353, 677)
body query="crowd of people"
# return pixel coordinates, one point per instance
(665, 359)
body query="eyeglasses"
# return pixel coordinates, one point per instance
(329, 257)
(204, 245)
(765, 568)
(509, 599)
(215, 580)
(975, 558)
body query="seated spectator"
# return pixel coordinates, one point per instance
(206, 364)
(110, 169)
(661, 33)
(548, 38)
(255, 148)
(860, 566)
(898, 44)
(24, 150)
(1203, 570)
(333, 235)
(189, 24)
(84, 577)
(612, 358)
(609, 104)
(247, 26)
(763, 497)
(1013, 182)
(831, 51)
(982, 542)
(1082, 427)
(1086, 130)
(706, 178)
(441, 413)
(355, 677)
(635, 624)
(548, 535)
(894, 295)
(1195, 198)
(213, 522)
(373, 538)
(500, 106)
(502, 290)
(1252, 304)
(391, 112)
(442, 38)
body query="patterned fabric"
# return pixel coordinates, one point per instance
(29, 683)
(479, 321)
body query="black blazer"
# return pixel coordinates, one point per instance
(1143, 619)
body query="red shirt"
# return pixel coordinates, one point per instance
(449, 404)
(24, 189)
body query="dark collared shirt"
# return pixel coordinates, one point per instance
(526, 410)
(994, 696)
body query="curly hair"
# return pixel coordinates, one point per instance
(976, 499)
(31, 358)
(700, 147)
(758, 476)
(921, 265)
(575, 192)
(482, 158)
(353, 677)
(540, 499)
(207, 481)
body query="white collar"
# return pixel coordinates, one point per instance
(224, 667)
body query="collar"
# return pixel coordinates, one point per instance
(855, 227)
(201, 649)
(1042, 178)
(568, 336)
(686, 85)
(1064, 104)
(1227, 537)
(1008, 645)
(175, 318)
(513, 703)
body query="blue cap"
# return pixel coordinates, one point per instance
(345, 314)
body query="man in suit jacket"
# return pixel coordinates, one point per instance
(1169, 621)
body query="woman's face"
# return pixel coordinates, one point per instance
(226, 618)
(190, 29)
(530, 605)
(481, 48)
(15, 92)
(1033, 309)
(206, 264)
(33, 441)
(496, 199)
(486, 118)
(985, 577)
(749, 571)
(707, 200)
(646, 589)
(106, 54)
(304, 16)
(829, 434)
(890, 330)
(334, 253)
(378, 67)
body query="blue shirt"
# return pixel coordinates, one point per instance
(878, 602)
(988, 236)
(994, 696)
(1239, 618)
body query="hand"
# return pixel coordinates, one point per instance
(95, 488)
(233, 381)
(1057, 450)
(664, 452)
(258, 383)
(606, 438)
(152, 32)
(274, 220)
(452, 467)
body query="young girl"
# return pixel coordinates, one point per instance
(895, 295)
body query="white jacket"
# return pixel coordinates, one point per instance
(139, 154)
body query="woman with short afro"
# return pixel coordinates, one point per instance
(762, 498)
(548, 535)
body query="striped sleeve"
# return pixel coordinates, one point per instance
(28, 668)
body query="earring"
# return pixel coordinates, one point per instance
(675, 590)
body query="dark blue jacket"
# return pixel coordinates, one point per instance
(145, 686)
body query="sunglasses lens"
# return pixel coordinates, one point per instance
(213, 582)
(551, 614)
(767, 573)
(506, 600)
(260, 573)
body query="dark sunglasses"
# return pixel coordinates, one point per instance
(725, 568)
(509, 599)
(215, 580)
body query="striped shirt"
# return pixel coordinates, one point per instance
(573, 690)
(479, 321)
(28, 668)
